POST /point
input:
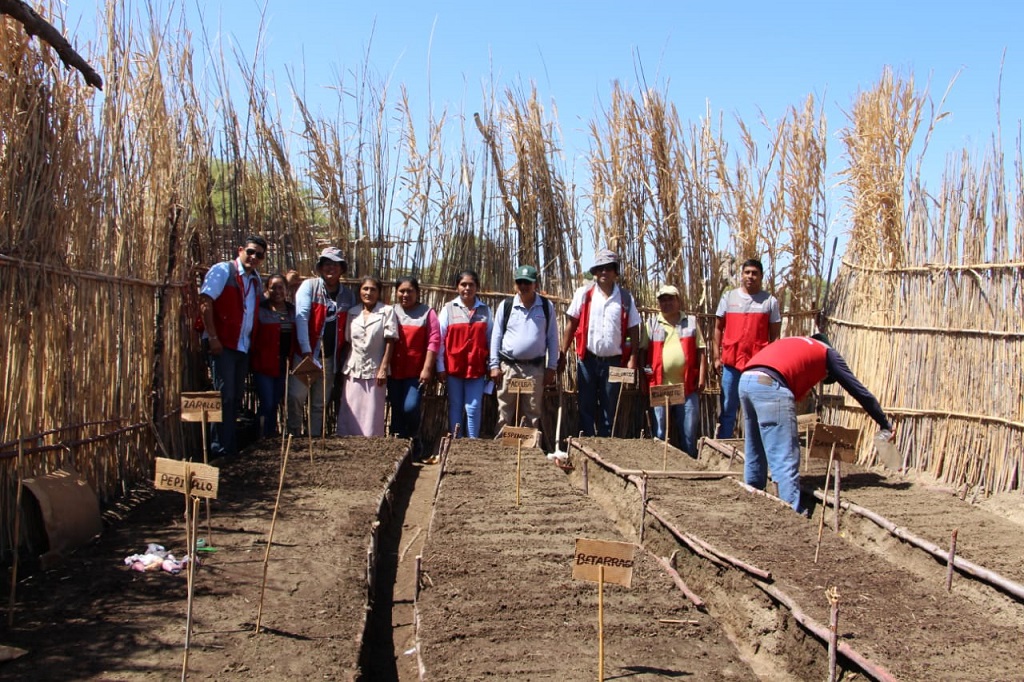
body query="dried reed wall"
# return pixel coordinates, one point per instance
(927, 305)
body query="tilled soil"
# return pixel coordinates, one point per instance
(499, 600)
(93, 618)
(908, 625)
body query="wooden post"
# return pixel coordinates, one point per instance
(950, 560)
(309, 418)
(323, 415)
(270, 535)
(824, 502)
(600, 624)
(615, 417)
(209, 526)
(586, 478)
(12, 597)
(643, 507)
(190, 571)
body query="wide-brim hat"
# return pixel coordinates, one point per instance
(605, 257)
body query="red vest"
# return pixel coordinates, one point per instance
(688, 339)
(265, 353)
(466, 345)
(228, 309)
(799, 360)
(745, 333)
(582, 329)
(411, 347)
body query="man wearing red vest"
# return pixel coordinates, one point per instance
(748, 320)
(775, 379)
(603, 321)
(228, 301)
(321, 309)
(675, 355)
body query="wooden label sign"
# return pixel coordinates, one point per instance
(513, 435)
(845, 440)
(193, 404)
(621, 375)
(172, 474)
(616, 557)
(307, 371)
(520, 385)
(676, 394)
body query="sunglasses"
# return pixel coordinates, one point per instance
(256, 252)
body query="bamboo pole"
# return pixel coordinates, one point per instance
(270, 533)
(12, 597)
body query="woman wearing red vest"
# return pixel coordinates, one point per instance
(675, 355)
(419, 337)
(775, 379)
(271, 347)
(465, 325)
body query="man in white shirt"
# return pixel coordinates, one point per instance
(604, 322)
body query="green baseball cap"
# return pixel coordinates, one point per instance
(526, 272)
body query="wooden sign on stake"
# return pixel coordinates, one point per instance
(603, 561)
(675, 394)
(516, 435)
(845, 440)
(197, 480)
(615, 557)
(194, 405)
(521, 385)
(307, 371)
(621, 375)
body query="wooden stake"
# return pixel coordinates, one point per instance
(643, 507)
(668, 422)
(309, 418)
(615, 416)
(323, 415)
(835, 497)
(600, 624)
(190, 540)
(209, 526)
(586, 475)
(519, 467)
(951, 560)
(12, 597)
(270, 534)
(824, 502)
(833, 631)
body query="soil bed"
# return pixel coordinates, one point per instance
(910, 626)
(93, 618)
(499, 599)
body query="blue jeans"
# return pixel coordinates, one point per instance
(730, 401)
(597, 396)
(465, 394)
(270, 391)
(228, 371)
(772, 438)
(404, 397)
(685, 418)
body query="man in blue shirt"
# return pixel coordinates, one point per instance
(524, 345)
(228, 301)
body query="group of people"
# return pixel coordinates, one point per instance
(388, 353)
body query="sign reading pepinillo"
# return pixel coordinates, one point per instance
(188, 478)
(194, 404)
(615, 557)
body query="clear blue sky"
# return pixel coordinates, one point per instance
(739, 57)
